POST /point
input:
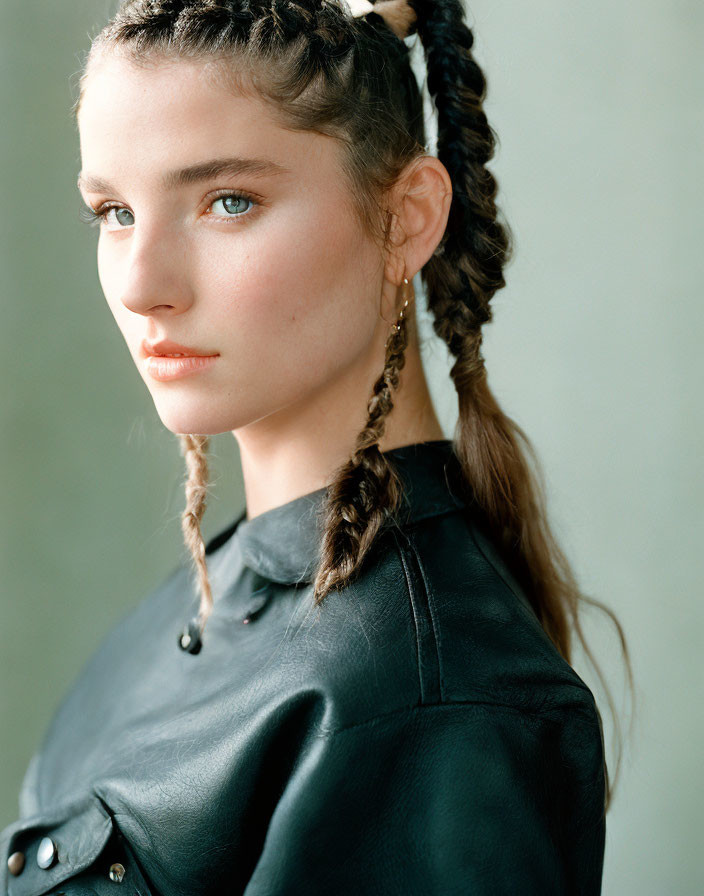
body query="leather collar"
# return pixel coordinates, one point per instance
(282, 544)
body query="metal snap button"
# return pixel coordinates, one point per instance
(15, 863)
(116, 872)
(46, 853)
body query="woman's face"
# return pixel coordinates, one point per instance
(280, 283)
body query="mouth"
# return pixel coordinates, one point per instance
(166, 360)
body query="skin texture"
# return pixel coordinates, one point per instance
(297, 299)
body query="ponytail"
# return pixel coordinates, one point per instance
(500, 467)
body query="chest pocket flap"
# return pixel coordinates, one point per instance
(42, 851)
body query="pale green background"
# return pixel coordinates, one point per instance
(595, 349)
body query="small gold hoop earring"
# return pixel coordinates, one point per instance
(397, 325)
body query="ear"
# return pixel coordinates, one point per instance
(420, 204)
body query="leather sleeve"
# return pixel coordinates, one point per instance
(472, 799)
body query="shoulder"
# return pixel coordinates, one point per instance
(456, 712)
(436, 619)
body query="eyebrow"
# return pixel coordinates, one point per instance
(195, 173)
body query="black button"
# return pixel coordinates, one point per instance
(190, 637)
(258, 603)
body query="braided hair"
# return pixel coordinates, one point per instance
(349, 77)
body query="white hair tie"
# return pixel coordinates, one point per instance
(360, 7)
(398, 14)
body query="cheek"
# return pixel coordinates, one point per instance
(304, 305)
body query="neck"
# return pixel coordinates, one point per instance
(297, 450)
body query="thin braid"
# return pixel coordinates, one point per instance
(366, 489)
(194, 449)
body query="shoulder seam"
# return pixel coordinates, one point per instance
(449, 705)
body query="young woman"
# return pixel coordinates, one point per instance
(366, 686)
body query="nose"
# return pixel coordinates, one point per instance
(156, 281)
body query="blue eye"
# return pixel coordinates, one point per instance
(231, 203)
(121, 214)
(97, 217)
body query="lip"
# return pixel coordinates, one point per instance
(159, 367)
(167, 347)
(164, 369)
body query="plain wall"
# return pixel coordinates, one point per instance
(595, 350)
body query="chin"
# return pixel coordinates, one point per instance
(200, 419)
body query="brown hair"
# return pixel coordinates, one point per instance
(322, 70)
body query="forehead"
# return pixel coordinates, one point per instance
(172, 113)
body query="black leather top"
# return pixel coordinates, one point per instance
(418, 734)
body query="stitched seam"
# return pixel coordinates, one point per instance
(533, 715)
(413, 553)
(406, 573)
(432, 609)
